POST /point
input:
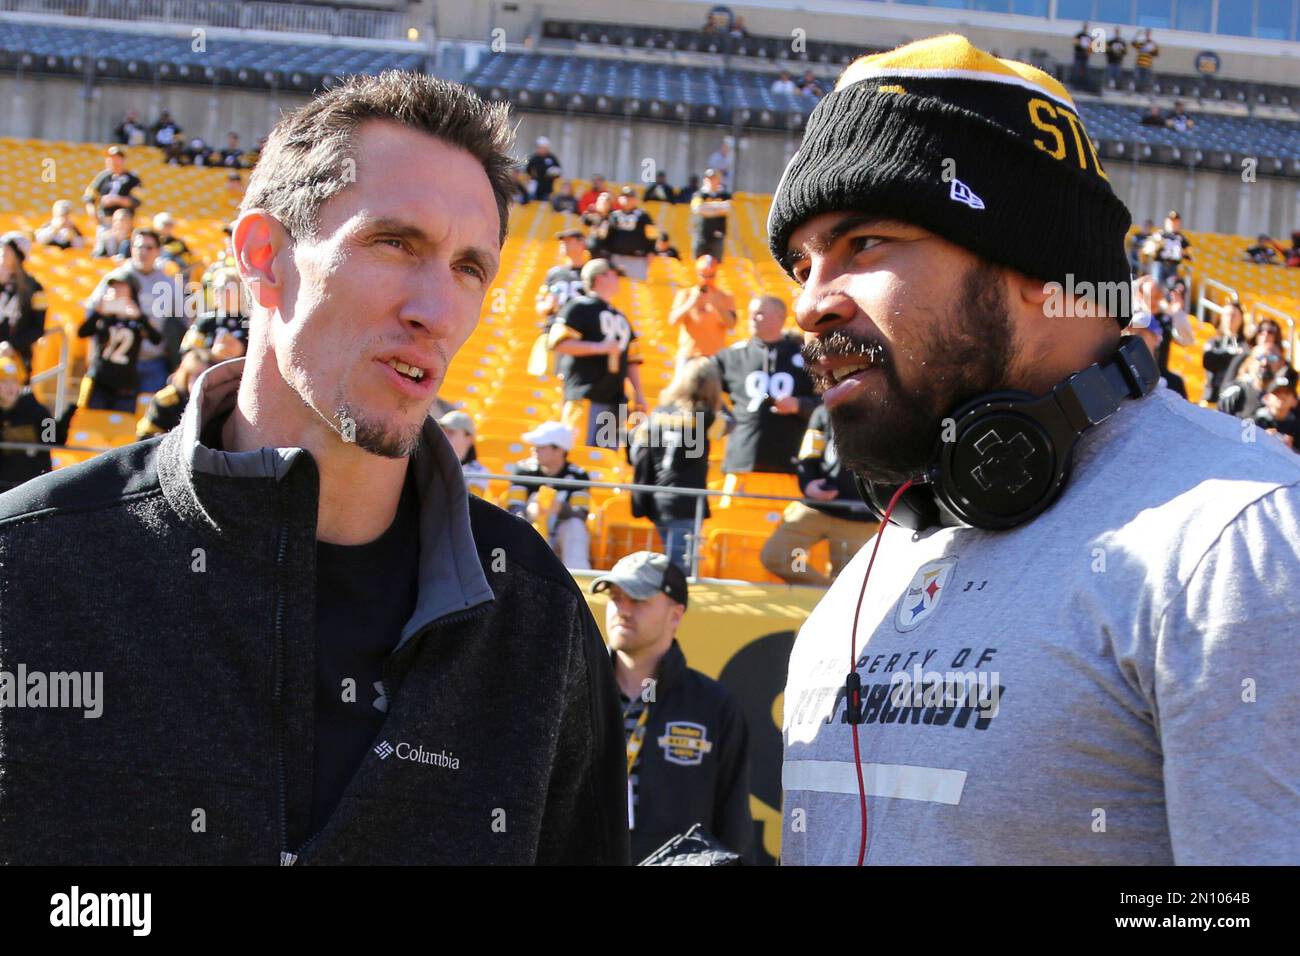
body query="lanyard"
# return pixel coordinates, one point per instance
(637, 738)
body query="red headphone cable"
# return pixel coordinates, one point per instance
(853, 686)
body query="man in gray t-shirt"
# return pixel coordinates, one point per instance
(1114, 681)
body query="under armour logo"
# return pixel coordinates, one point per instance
(962, 193)
(384, 750)
(1003, 462)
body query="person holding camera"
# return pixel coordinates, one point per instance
(704, 314)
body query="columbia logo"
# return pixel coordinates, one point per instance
(962, 193)
(385, 750)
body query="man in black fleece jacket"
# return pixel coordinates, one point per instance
(313, 645)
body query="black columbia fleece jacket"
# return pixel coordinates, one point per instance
(186, 576)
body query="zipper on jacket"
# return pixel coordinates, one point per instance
(288, 858)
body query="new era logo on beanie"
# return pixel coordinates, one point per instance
(988, 153)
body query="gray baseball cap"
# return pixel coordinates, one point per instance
(642, 575)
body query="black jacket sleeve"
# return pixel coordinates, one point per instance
(585, 820)
(732, 822)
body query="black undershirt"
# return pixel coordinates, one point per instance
(365, 594)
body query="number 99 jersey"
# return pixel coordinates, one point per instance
(755, 374)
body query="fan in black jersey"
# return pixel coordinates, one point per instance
(771, 393)
(709, 209)
(562, 283)
(630, 238)
(827, 484)
(224, 329)
(22, 298)
(604, 354)
(174, 248)
(118, 326)
(24, 419)
(566, 518)
(167, 404)
(114, 188)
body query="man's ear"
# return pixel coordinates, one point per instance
(260, 243)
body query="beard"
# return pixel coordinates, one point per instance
(375, 437)
(891, 438)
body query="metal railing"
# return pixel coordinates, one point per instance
(701, 495)
(1205, 304)
(374, 24)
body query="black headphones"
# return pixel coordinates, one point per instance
(1009, 453)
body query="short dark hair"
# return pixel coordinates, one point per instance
(302, 164)
(146, 233)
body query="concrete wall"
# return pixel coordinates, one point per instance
(60, 109)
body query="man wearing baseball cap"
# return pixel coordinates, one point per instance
(1050, 664)
(116, 187)
(687, 743)
(564, 521)
(604, 353)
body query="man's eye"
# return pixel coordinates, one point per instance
(474, 271)
(392, 241)
(800, 273)
(860, 243)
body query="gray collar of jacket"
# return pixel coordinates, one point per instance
(196, 480)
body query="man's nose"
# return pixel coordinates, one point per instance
(823, 307)
(427, 305)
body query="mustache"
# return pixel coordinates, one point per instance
(843, 344)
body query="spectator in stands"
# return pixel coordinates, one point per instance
(703, 314)
(1147, 51)
(1116, 48)
(561, 284)
(808, 85)
(1139, 239)
(1249, 374)
(687, 192)
(771, 394)
(563, 200)
(459, 429)
(114, 188)
(174, 248)
(1153, 117)
(1179, 121)
(22, 298)
(1175, 323)
(592, 194)
(1278, 416)
(1293, 254)
(168, 403)
(1146, 325)
(1082, 52)
(597, 220)
(738, 28)
(166, 135)
(664, 247)
(783, 84)
(118, 326)
(196, 152)
(670, 449)
(1168, 248)
(222, 330)
(160, 298)
(659, 190)
(710, 207)
(1264, 252)
(721, 160)
(823, 480)
(523, 187)
(225, 259)
(61, 232)
(115, 241)
(687, 741)
(543, 167)
(23, 419)
(630, 237)
(1222, 350)
(604, 354)
(566, 518)
(130, 132)
(232, 155)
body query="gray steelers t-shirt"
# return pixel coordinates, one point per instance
(1117, 682)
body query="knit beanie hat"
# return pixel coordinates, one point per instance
(988, 153)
